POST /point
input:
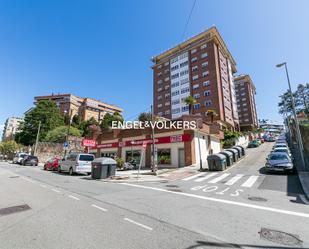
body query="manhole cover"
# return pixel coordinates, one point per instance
(280, 237)
(14, 209)
(172, 186)
(256, 198)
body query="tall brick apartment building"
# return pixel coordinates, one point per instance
(202, 67)
(84, 107)
(245, 95)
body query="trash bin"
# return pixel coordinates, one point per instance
(238, 151)
(235, 154)
(103, 167)
(243, 152)
(216, 162)
(229, 157)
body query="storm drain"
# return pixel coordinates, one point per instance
(280, 237)
(14, 209)
(256, 198)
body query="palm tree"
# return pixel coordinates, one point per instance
(212, 113)
(190, 101)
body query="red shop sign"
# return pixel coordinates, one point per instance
(89, 143)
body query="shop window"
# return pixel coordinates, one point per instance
(164, 156)
(135, 159)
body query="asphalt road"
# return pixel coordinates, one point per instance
(241, 207)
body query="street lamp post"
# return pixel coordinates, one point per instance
(299, 139)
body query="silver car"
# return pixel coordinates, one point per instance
(279, 162)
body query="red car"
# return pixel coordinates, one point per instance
(52, 164)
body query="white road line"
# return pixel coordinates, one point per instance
(138, 224)
(102, 209)
(192, 177)
(242, 204)
(73, 197)
(200, 179)
(55, 190)
(234, 179)
(249, 183)
(219, 178)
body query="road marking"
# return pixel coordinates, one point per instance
(192, 177)
(275, 210)
(43, 186)
(102, 209)
(55, 190)
(74, 197)
(249, 183)
(200, 179)
(219, 178)
(234, 179)
(138, 224)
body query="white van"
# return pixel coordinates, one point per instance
(76, 163)
(19, 157)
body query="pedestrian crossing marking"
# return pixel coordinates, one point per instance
(234, 179)
(192, 177)
(249, 183)
(200, 179)
(219, 178)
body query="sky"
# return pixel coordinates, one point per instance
(103, 49)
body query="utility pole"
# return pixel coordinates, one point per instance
(154, 164)
(37, 138)
(300, 142)
(68, 133)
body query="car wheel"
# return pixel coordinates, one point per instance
(70, 171)
(44, 167)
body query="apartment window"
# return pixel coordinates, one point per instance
(175, 93)
(193, 51)
(195, 68)
(184, 81)
(185, 90)
(245, 109)
(244, 104)
(176, 102)
(159, 105)
(196, 96)
(174, 76)
(167, 95)
(207, 93)
(182, 56)
(160, 113)
(160, 89)
(197, 106)
(176, 110)
(243, 99)
(166, 71)
(205, 74)
(184, 64)
(184, 72)
(207, 103)
(195, 77)
(206, 83)
(159, 97)
(167, 112)
(204, 64)
(167, 79)
(194, 59)
(204, 55)
(243, 94)
(185, 108)
(175, 59)
(204, 46)
(167, 87)
(174, 67)
(167, 103)
(175, 84)
(246, 120)
(159, 74)
(195, 86)
(160, 66)
(160, 82)
(166, 63)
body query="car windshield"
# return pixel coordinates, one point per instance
(278, 157)
(23, 156)
(281, 150)
(86, 158)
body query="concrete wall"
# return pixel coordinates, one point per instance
(305, 136)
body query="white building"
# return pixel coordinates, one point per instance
(11, 127)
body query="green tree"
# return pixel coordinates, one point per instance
(76, 121)
(285, 103)
(190, 101)
(45, 112)
(108, 119)
(8, 148)
(58, 134)
(211, 113)
(144, 116)
(84, 125)
(302, 97)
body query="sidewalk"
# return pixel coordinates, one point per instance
(303, 174)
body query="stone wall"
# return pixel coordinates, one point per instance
(304, 129)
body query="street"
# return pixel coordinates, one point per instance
(242, 207)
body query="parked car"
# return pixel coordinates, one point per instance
(270, 139)
(280, 145)
(52, 164)
(253, 144)
(19, 157)
(279, 162)
(76, 163)
(284, 150)
(30, 160)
